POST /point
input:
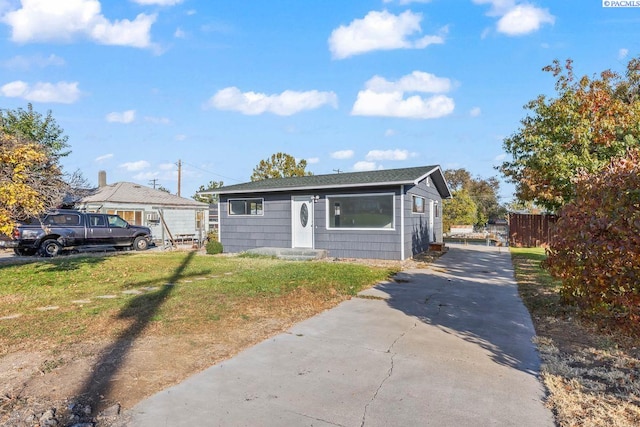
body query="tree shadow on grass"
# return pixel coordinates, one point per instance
(140, 310)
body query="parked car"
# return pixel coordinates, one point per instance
(72, 230)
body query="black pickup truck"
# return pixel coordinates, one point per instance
(71, 230)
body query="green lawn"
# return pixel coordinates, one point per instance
(72, 298)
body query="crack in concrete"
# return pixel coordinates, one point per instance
(389, 373)
(317, 419)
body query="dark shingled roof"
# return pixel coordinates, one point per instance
(341, 180)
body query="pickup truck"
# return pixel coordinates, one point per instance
(72, 230)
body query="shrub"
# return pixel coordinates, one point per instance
(213, 247)
(596, 248)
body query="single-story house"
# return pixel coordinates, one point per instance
(167, 215)
(384, 214)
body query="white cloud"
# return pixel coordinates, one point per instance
(63, 21)
(158, 2)
(377, 155)
(517, 19)
(124, 117)
(380, 31)
(417, 81)
(342, 154)
(135, 166)
(387, 99)
(61, 92)
(524, 19)
(393, 104)
(622, 53)
(179, 33)
(475, 112)
(27, 62)
(284, 104)
(389, 132)
(365, 166)
(180, 137)
(104, 157)
(313, 160)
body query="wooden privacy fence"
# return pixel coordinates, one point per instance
(531, 230)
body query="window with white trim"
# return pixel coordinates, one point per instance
(418, 204)
(361, 211)
(246, 206)
(133, 217)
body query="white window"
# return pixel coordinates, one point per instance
(361, 211)
(246, 206)
(418, 205)
(132, 217)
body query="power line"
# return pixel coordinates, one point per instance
(211, 172)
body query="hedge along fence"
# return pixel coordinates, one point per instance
(596, 247)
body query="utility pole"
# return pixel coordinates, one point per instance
(153, 182)
(179, 175)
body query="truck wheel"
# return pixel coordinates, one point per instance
(24, 251)
(50, 248)
(140, 244)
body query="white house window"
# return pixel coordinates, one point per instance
(246, 206)
(361, 211)
(132, 217)
(418, 205)
(199, 220)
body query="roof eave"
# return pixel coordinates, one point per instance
(310, 187)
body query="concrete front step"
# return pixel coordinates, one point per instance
(293, 254)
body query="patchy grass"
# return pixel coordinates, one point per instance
(73, 298)
(592, 377)
(116, 329)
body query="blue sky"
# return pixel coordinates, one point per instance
(346, 85)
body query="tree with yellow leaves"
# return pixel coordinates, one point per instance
(30, 182)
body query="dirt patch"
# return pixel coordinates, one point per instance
(81, 382)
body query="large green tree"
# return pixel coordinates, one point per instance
(29, 125)
(589, 122)
(459, 210)
(483, 192)
(280, 165)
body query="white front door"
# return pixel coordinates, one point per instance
(431, 221)
(302, 221)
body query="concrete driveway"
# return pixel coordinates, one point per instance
(445, 346)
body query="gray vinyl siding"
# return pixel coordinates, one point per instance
(417, 234)
(239, 233)
(346, 243)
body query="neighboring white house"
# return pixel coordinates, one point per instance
(165, 214)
